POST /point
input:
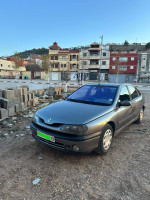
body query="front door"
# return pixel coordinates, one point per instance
(124, 113)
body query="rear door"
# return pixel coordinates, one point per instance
(136, 100)
(124, 113)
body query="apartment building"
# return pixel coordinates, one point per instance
(94, 62)
(7, 69)
(143, 71)
(123, 66)
(62, 62)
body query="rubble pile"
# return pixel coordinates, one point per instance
(15, 100)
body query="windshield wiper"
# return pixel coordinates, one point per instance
(87, 102)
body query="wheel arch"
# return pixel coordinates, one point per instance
(112, 125)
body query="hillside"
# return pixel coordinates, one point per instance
(39, 51)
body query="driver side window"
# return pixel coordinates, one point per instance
(124, 94)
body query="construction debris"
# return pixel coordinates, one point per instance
(15, 100)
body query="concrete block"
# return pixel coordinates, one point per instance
(36, 100)
(21, 99)
(32, 103)
(24, 91)
(17, 100)
(51, 91)
(25, 98)
(1, 93)
(3, 113)
(4, 103)
(29, 96)
(18, 107)
(11, 111)
(29, 103)
(25, 86)
(8, 94)
(23, 107)
(50, 98)
(18, 92)
(32, 95)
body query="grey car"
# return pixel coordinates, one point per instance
(89, 118)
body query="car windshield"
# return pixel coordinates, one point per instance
(100, 95)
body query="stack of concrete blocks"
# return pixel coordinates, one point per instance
(15, 100)
(53, 91)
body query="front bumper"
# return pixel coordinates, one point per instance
(84, 143)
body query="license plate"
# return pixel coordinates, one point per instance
(47, 137)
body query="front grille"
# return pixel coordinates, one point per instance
(56, 144)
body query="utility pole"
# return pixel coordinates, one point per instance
(101, 37)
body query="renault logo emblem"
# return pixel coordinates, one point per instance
(49, 120)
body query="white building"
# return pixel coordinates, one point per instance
(94, 62)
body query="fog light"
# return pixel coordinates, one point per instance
(75, 148)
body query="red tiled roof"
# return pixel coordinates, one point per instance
(54, 46)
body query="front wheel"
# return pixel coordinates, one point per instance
(105, 140)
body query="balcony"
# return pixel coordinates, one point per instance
(94, 56)
(93, 66)
(63, 59)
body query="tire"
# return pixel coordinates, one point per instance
(105, 140)
(140, 118)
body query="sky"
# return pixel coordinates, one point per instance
(28, 24)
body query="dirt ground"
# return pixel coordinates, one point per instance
(122, 174)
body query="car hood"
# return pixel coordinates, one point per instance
(67, 112)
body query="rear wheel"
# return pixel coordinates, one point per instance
(140, 118)
(105, 140)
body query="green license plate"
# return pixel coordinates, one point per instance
(47, 137)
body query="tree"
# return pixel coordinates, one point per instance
(17, 59)
(46, 65)
(126, 43)
(147, 45)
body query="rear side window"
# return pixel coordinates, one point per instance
(133, 92)
(124, 94)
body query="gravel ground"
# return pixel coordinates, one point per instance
(122, 174)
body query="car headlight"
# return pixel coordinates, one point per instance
(74, 129)
(35, 118)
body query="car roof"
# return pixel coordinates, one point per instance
(109, 84)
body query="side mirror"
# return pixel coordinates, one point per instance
(124, 103)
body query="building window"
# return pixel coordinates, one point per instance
(64, 57)
(123, 68)
(56, 57)
(123, 59)
(61, 65)
(114, 58)
(84, 62)
(113, 67)
(104, 54)
(131, 67)
(84, 54)
(74, 66)
(94, 62)
(103, 62)
(52, 57)
(64, 65)
(1, 65)
(132, 58)
(74, 57)
(8, 65)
